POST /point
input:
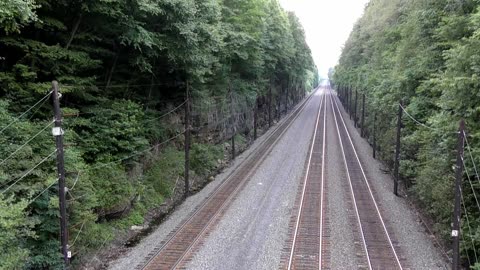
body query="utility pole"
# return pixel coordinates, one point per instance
(347, 95)
(355, 109)
(397, 149)
(187, 142)
(255, 120)
(457, 211)
(362, 132)
(233, 122)
(347, 104)
(286, 97)
(270, 105)
(58, 134)
(375, 135)
(350, 93)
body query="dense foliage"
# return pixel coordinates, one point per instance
(425, 53)
(120, 65)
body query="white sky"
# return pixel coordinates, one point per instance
(327, 25)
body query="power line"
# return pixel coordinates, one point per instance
(464, 241)
(420, 123)
(123, 159)
(78, 234)
(76, 180)
(471, 156)
(133, 155)
(115, 85)
(469, 228)
(18, 118)
(43, 191)
(27, 142)
(39, 107)
(471, 184)
(29, 171)
(171, 111)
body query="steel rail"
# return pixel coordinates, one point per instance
(335, 112)
(284, 125)
(305, 183)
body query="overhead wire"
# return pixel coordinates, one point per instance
(78, 234)
(26, 143)
(471, 184)
(464, 241)
(471, 156)
(24, 113)
(39, 107)
(169, 112)
(135, 154)
(138, 153)
(469, 227)
(114, 85)
(43, 191)
(420, 123)
(28, 172)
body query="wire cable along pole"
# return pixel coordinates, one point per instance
(187, 142)
(58, 134)
(397, 150)
(457, 211)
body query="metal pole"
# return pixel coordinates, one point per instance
(457, 212)
(362, 132)
(187, 143)
(397, 150)
(58, 133)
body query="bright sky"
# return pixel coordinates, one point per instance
(327, 25)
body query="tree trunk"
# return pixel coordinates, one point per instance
(74, 31)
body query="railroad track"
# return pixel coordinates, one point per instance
(304, 249)
(377, 246)
(174, 252)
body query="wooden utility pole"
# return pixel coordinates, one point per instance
(58, 134)
(355, 109)
(286, 98)
(397, 150)
(347, 103)
(233, 127)
(375, 135)
(270, 105)
(457, 211)
(187, 142)
(362, 132)
(255, 120)
(350, 96)
(342, 94)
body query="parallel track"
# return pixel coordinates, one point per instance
(176, 250)
(304, 247)
(380, 252)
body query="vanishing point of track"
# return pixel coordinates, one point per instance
(304, 248)
(176, 250)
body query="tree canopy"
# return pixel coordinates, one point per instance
(121, 65)
(425, 54)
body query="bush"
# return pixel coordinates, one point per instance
(204, 157)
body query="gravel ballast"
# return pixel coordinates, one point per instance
(414, 242)
(253, 231)
(137, 254)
